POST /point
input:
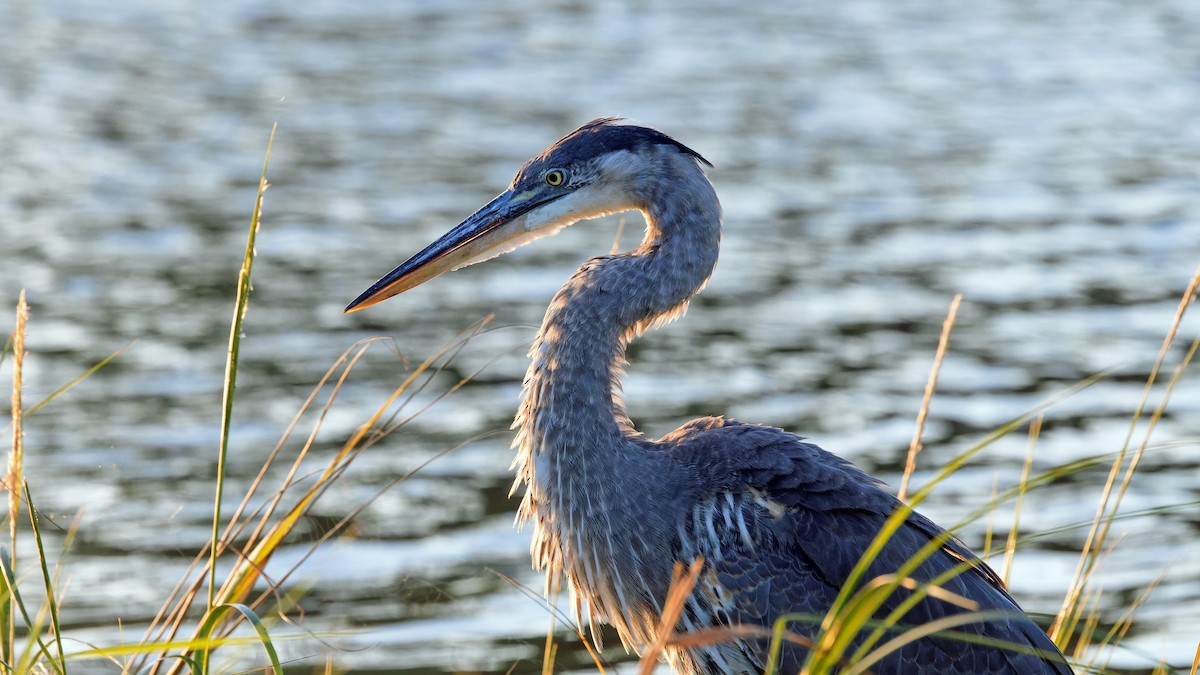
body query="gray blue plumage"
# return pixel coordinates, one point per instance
(779, 522)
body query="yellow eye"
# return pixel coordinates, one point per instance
(556, 177)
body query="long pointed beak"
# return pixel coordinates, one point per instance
(494, 229)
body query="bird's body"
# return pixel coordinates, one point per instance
(779, 522)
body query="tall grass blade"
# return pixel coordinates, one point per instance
(914, 447)
(51, 598)
(8, 619)
(16, 474)
(1120, 629)
(1068, 615)
(231, 367)
(18, 603)
(1010, 545)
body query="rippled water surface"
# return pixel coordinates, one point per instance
(873, 159)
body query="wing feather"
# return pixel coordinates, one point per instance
(810, 516)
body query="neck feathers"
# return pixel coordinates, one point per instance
(573, 436)
(572, 386)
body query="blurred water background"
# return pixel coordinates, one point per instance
(874, 158)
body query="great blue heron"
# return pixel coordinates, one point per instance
(780, 522)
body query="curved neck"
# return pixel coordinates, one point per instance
(573, 437)
(571, 411)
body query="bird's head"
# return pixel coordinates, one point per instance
(600, 168)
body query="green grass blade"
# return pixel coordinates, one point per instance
(18, 603)
(893, 618)
(1053, 532)
(231, 367)
(848, 626)
(190, 646)
(83, 376)
(940, 628)
(51, 598)
(936, 544)
(214, 620)
(7, 612)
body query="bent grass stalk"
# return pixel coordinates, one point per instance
(165, 625)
